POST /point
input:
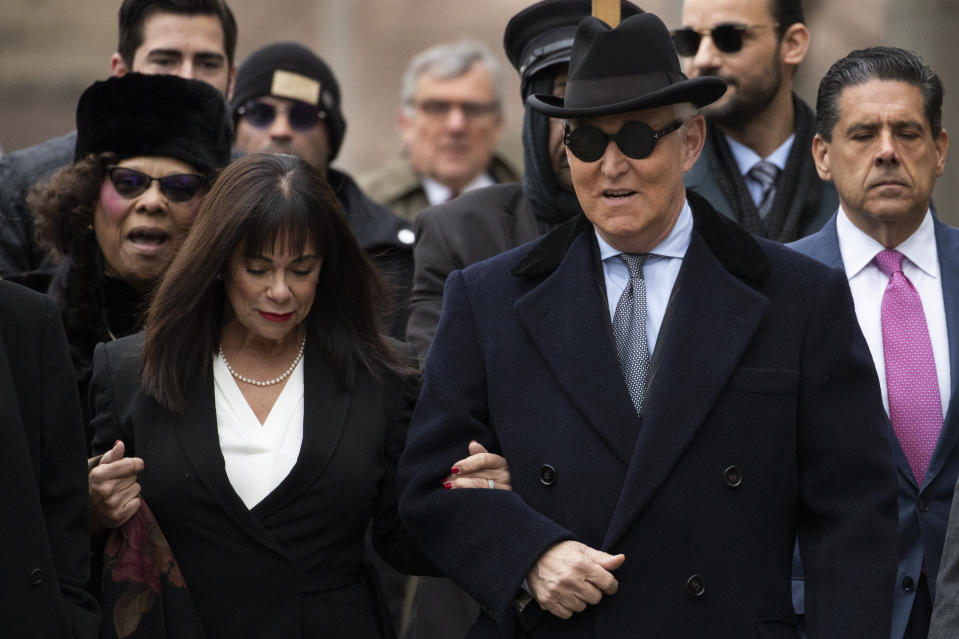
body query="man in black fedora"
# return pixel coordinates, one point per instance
(676, 399)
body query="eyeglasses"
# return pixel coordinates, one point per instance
(635, 139)
(301, 116)
(440, 109)
(728, 37)
(176, 188)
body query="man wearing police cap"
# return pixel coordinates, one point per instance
(676, 398)
(287, 100)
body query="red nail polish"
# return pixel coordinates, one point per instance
(447, 485)
(454, 470)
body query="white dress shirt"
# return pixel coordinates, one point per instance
(257, 456)
(746, 159)
(438, 193)
(660, 272)
(868, 283)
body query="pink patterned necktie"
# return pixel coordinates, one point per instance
(915, 408)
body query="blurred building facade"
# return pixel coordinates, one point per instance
(50, 50)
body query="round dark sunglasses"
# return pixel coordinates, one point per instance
(176, 188)
(634, 139)
(301, 116)
(727, 37)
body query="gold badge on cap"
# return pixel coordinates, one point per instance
(294, 86)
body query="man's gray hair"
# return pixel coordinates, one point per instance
(447, 61)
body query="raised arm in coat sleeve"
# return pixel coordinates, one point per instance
(485, 540)
(115, 383)
(847, 519)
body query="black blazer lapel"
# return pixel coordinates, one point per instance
(326, 406)
(713, 320)
(947, 246)
(198, 434)
(519, 222)
(567, 319)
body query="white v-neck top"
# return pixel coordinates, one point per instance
(258, 456)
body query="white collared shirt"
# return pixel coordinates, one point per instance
(438, 193)
(257, 456)
(868, 283)
(660, 272)
(746, 159)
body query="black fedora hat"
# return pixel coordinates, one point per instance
(631, 67)
(541, 35)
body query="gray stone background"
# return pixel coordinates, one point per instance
(50, 50)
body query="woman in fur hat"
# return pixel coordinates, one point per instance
(147, 149)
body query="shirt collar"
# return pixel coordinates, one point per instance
(674, 245)
(438, 193)
(858, 249)
(746, 158)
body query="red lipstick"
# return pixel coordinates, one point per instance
(276, 317)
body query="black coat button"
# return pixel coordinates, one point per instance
(36, 577)
(733, 476)
(547, 475)
(908, 584)
(695, 587)
(923, 504)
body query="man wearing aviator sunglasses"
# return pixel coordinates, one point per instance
(756, 166)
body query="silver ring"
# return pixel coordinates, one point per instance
(492, 484)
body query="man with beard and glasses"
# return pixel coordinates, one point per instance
(756, 166)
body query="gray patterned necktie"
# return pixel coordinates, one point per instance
(629, 329)
(766, 173)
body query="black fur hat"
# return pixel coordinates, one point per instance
(290, 70)
(155, 115)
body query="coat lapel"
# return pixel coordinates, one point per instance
(822, 246)
(947, 245)
(519, 222)
(712, 322)
(326, 405)
(561, 316)
(197, 430)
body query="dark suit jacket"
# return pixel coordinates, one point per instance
(923, 510)
(471, 228)
(45, 529)
(293, 564)
(760, 421)
(702, 178)
(945, 614)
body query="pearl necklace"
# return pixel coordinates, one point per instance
(269, 382)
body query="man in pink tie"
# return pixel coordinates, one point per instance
(880, 140)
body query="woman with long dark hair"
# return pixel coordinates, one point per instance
(148, 147)
(267, 413)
